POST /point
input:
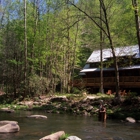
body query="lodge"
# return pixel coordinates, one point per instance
(128, 59)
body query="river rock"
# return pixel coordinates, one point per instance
(130, 119)
(9, 128)
(36, 103)
(54, 136)
(59, 99)
(89, 108)
(8, 110)
(37, 116)
(73, 138)
(8, 122)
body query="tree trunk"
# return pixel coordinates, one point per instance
(112, 48)
(25, 50)
(101, 54)
(137, 20)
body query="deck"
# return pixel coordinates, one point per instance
(131, 81)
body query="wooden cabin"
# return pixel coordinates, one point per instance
(129, 70)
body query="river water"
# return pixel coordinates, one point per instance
(86, 128)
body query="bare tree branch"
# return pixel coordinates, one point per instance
(90, 17)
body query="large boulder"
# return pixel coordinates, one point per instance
(37, 116)
(73, 138)
(9, 128)
(54, 136)
(59, 99)
(130, 119)
(7, 122)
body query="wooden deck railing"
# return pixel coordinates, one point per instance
(132, 81)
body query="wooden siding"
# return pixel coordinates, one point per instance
(125, 81)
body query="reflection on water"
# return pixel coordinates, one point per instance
(86, 128)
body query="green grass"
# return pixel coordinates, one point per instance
(63, 137)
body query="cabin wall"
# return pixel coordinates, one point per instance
(109, 76)
(134, 72)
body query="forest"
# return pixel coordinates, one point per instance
(45, 43)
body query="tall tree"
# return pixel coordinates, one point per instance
(101, 53)
(106, 30)
(25, 49)
(137, 20)
(109, 36)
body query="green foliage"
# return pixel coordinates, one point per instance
(103, 95)
(132, 94)
(13, 106)
(63, 137)
(6, 99)
(60, 38)
(75, 90)
(109, 111)
(38, 85)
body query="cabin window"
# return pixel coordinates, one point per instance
(129, 73)
(94, 65)
(136, 72)
(136, 61)
(109, 74)
(93, 74)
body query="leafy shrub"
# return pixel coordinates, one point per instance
(75, 90)
(132, 94)
(38, 85)
(63, 137)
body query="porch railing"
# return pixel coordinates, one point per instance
(132, 81)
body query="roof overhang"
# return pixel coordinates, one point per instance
(110, 69)
(89, 70)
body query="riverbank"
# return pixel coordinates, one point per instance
(86, 105)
